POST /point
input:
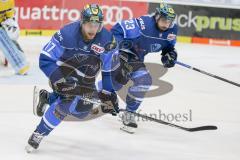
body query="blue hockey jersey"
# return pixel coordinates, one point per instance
(68, 43)
(141, 36)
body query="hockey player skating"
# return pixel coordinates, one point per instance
(71, 61)
(9, 33)
(136, 38)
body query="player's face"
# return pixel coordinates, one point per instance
(164, 24)
(90, 29)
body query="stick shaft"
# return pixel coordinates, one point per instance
(206, 73)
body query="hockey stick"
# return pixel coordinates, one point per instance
(206, 73)
(194, 129)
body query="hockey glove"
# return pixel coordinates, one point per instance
(168, 58)
(64, 84)
(123, 70)
(111, 100)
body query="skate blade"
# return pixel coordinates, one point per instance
(29, 149)
(127, 129)
(35, 99)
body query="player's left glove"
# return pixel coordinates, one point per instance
(11, 26)
(168, 58)
(111, 100)
(124, 69)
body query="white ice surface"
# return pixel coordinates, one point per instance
(211, 101)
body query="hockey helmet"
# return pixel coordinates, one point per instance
(166, 11)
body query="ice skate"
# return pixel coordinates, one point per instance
(129, 123)
(33, 142)
(40, 101)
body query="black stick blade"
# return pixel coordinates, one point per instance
(202, 128)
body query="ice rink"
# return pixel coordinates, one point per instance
(211, 101)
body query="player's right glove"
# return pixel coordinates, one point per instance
(111, 100)
(70, 86)
(64, 84)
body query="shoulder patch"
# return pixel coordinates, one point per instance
(59, 35)
(142, 25)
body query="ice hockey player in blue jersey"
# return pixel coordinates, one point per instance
(136, 38)
(71, 61)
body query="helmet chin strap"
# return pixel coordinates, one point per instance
(157, 17)
(100, 27)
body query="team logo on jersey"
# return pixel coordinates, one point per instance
(97, 49)
(171, 37)
(155, 47)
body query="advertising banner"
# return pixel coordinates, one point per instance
(197, 24)
(51, 15)
(206, 22)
